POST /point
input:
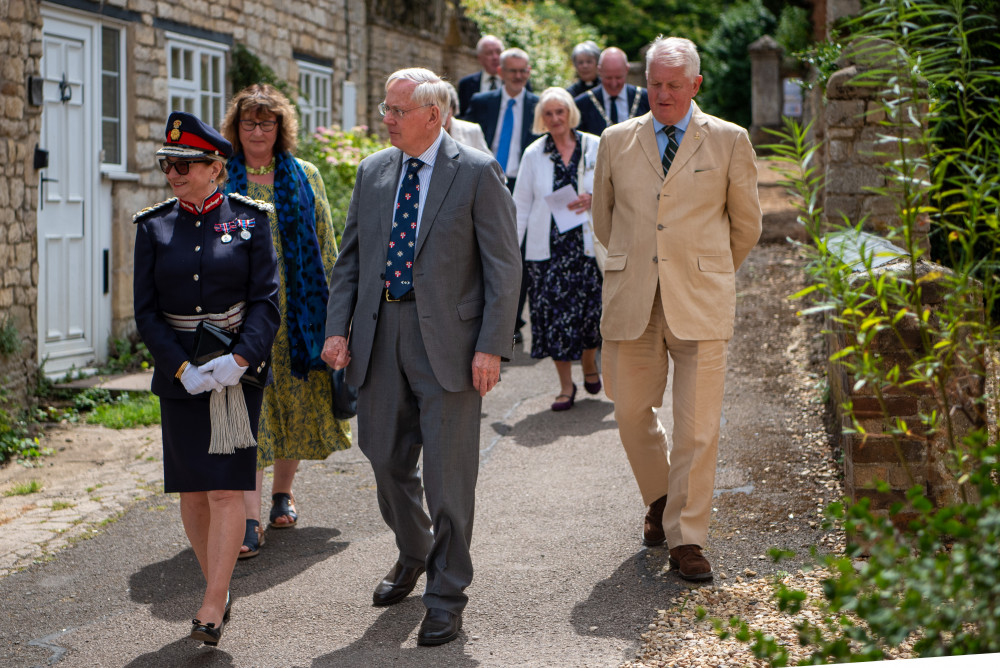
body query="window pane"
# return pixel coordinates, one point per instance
(217, 74)
(109, 96)
(109, 50)
(109, 142)
(188, 74)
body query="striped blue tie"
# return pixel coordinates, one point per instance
(670, 151)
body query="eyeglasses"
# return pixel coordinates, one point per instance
(182, 166)
(384, 110)
(250, 126)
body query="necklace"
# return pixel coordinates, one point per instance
(260, 171)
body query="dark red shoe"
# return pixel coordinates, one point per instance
(592, 388)
(689, 563)
(567, 403)
(652, 525)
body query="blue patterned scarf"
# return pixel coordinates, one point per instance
(306, 289)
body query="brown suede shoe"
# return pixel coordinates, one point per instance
(689, 563)
(652, 526)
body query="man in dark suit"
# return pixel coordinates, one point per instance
(424, 289)
(614, 100)
(488, 50)
(506, 116)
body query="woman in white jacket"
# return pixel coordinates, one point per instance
(552, 195)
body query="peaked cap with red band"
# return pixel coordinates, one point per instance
(188, 137)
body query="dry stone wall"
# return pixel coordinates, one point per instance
(20, 51)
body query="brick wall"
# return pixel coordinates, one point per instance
(917, 458)
(20, 50)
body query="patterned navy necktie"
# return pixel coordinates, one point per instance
(403, 238)
(614, 110)
(671, 149)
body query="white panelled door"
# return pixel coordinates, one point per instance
(68, 257)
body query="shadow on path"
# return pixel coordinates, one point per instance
(178, 655)
(587, 417)
(628, 599)
(173, 587)
(382, 644)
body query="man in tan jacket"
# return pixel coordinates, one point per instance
(675, 203)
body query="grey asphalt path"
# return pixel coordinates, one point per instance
(561, 577)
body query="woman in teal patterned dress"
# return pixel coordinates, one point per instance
(296, 421)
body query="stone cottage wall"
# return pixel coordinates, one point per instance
(20, 123)
(273, 31)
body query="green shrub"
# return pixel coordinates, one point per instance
(337, 154)
(926, 575)
(725, 91)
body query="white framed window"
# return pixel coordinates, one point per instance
(113, 96)
(314, 96)
(196, 77)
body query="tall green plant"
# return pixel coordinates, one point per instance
(934, 582)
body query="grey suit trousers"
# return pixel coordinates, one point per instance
(402, 409)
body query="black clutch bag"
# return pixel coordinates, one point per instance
(211, 341)
(345, 397)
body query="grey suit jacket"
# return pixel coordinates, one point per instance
(467, 263)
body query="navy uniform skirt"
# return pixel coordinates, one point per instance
(187, 432)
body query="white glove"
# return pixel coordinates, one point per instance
(225, 370)
(196, 380)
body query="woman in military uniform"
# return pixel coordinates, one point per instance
(296, 422)
(203, 255)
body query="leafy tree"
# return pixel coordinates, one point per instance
(632, 24)
(726, 90)
(546, 30)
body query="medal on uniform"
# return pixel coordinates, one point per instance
(245, 235)
(226, 238)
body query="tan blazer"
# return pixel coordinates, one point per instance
(689, 232)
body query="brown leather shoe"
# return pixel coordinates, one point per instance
(689, 563)
(652, 526)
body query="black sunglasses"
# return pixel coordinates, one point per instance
(182, 166)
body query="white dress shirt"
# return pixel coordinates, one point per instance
(514, 158)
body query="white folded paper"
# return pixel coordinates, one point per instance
(559, 202)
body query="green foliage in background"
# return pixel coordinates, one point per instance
(337, 154)
(632, 24)
(934, 581)
(725, 61)
(246, 69)
(10, 338)
(546, 30)
(17, 442)
(126, 411)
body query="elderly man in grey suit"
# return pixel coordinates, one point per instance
(421, 308)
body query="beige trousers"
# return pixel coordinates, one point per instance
(635, 377)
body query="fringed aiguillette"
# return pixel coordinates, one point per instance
(230, 421)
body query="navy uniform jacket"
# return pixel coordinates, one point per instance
(183, 267)
(592, 116)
